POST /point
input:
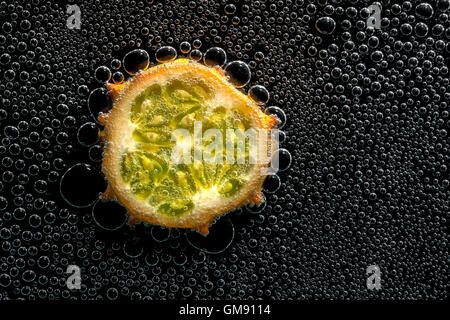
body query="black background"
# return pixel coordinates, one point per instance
(368, 183)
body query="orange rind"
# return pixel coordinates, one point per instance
(139, 146)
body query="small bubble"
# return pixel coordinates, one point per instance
(34, 221)
(28, 276)
(180, 259)
(196, 55)
(5, 58)
(5, 280)
(215, 57)
(95, 153)
(230, 8)
(116, 64)
(152, 259)
(83, 90)
(118, 77)
(259, 56)
(133, 248)
(257, 208)
(443, 5)
(165, 54)
(284, 159)
(325, 25)
(421, 30)
(238, 73)
(185, 47)
(199, 257)
(135, 61)
(112, 293)
(102, 74)
(424, 11)
(272, 184)
(160, 234)
(11, 132)
(197, 44)
(279, 113)
(259, 94)
(88, 134)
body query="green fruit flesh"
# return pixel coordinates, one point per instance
(147, 166)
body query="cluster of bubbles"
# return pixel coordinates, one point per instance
(364, 113)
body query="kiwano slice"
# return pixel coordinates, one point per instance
(142, 137)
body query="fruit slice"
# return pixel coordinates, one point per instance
(142, 143)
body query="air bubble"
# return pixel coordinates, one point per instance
(196, 55)
(11, 132)
(257, 208)
(133, 248)
(443, 5)
(215, 57)
(152, 259)
(102, 74)
(259, 94)
(424, 11)
(116, 64)
(421, 30)
(99, 101)
(325, 25)
(135, 61)
(230, 8)
(118, 77)
(83, 90)
(88, 134)
(109, 215)
(112, 293)
(185, 47)
(198, 257)
(279, 113)
(81, 185)
(284, 159)
(165, 54)
(219, 238)
(272, 184)
(5, 58)
(5, 280)
(160, 234)
(180, 259)
(95, 153)
(238, 73)
(259, 56)
(197, 44)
